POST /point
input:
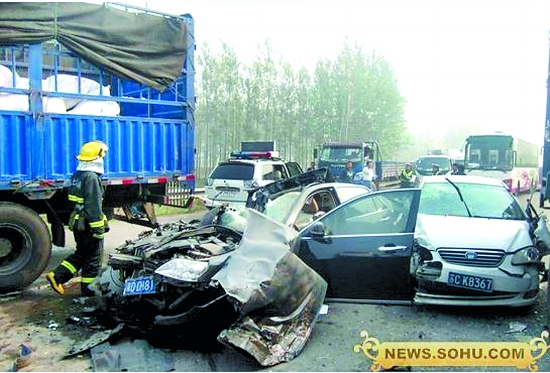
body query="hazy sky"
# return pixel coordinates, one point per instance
(483, 63)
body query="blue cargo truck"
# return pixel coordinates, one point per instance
(75, 72)
(335, 155)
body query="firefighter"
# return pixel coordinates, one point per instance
(87, 221)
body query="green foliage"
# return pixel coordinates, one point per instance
(162, 210)
(355, 97)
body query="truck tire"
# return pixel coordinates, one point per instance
(25, 246)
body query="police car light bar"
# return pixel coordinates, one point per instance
(254, 155)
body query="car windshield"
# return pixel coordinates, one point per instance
(279, 207)
(340, 154)
(484, 201)
(233, 171)
(424, 165)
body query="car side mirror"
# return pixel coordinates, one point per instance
(317, 229)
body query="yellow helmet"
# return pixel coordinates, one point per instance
(92, 150)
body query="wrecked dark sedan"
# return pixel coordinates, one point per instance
(192, 286)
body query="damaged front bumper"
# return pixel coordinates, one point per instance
(515, 289)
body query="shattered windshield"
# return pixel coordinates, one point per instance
(484, 201)
(279, 207)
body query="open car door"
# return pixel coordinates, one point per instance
(363, 247)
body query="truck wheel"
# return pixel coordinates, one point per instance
(25, 246)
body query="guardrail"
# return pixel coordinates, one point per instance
(390, 184)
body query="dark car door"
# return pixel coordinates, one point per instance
(363, 247)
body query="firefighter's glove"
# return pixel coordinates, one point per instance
(98, 233)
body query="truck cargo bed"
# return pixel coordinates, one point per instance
(59, 98)
(138, 147)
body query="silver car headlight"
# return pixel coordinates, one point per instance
(183, 269)
(527, 255)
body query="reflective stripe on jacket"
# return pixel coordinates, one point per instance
(86, 192)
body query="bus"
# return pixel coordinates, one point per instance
(505, 157)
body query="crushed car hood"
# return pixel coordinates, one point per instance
(265, 275)
(257, 295)
(434, 231)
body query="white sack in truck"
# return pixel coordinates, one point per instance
(13, 102)
(70, 84)
(10, 101)
(53, 105)
(49, 104)
(6, 78)
(103, 108)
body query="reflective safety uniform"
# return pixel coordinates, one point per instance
(89, 225)
(406, 178)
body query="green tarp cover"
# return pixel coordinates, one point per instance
(146, 48)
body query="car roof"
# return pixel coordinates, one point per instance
(257, 160)
(434, 156)
(463, 179)
(334, 184)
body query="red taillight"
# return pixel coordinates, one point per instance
(189, 177)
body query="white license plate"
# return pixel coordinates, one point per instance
(229, 193)
(470, 282)
(139, 286)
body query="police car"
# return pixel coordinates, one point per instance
(231, 181)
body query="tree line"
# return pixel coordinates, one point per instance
(352, 98)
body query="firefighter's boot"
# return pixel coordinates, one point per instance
(57, 287)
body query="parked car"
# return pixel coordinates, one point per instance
(231, 181)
